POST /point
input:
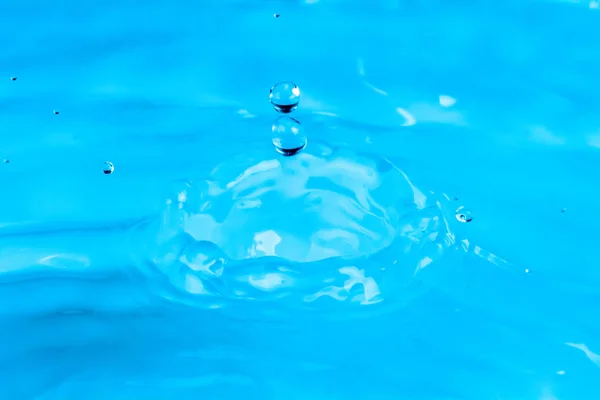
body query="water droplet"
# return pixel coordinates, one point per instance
(6, 161)
(285, 97)
(527, 270)
(56, 112)
(288, 136)
(13, 78)
(563, 210)
(463, 215)
(276, 15)
(108, 167)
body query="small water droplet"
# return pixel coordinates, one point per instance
(527, 270)
(288, 136)
(276, 15)
(463, 215)
(13, 78)
(56, 112)
(6, 161)
(563, 210)
(285, 96)
(108, 167)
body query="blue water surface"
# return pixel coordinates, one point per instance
(208, 266)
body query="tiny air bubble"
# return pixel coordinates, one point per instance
(108, 167)
(463, 215)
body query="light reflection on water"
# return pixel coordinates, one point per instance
(334, 274)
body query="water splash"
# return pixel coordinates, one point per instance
(328, 228)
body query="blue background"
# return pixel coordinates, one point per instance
(166, 90)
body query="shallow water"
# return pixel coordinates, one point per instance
(339, 273)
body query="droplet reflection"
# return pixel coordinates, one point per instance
(285, 96)
(288, 136)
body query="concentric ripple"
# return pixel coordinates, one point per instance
(326, 227)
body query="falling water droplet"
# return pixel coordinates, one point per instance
(463, 215)
(56, 112)
(108, 167)
(6, 161)
(285, 96)
(288, 136)
(13, 78)
(276, 15)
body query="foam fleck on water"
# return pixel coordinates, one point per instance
(289, 137)
(463, 215)
(108, 168)
(285, 96)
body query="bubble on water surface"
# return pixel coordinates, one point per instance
(108, 167)
(463, 215)
(285, 96)
(288, 136)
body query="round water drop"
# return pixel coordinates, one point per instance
(108, 167)
(288, 136)
(463, 215)
(285, 96)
